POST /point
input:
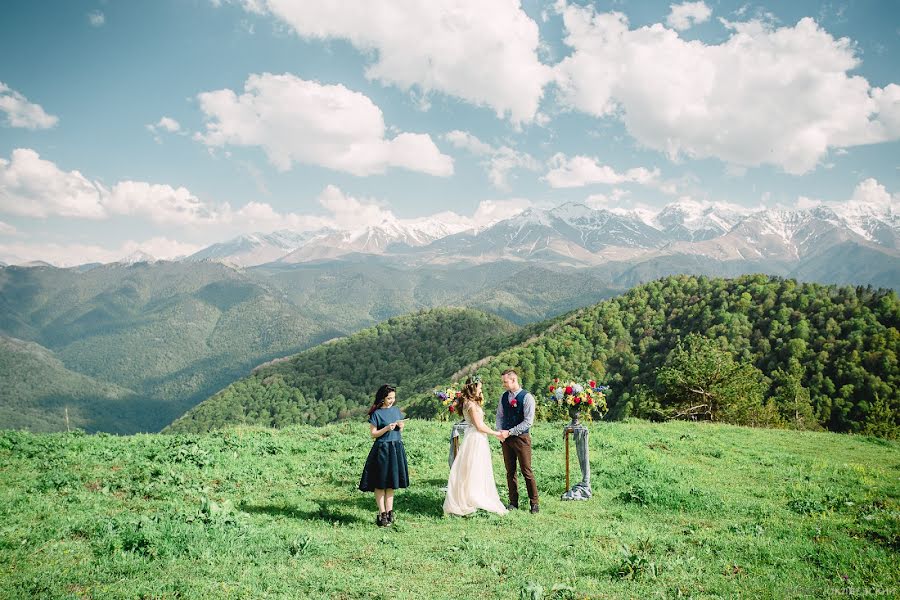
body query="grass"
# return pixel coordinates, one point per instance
(679, 510)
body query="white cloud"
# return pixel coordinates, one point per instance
(869, 197)
(7, 229)
(491, 211)
(96, 18)
(579, 171)
(686, 15)
(766, 95)
(165, 124)
(33, 187)
(467, 141)
(485, 53)
(22, 113)
(615, 199)
(869, 194)
(298, 121)
(499, 161)
(349, 212)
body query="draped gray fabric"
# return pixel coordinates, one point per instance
(455, 431)
(582, 489)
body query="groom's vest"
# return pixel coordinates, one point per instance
(513, 415)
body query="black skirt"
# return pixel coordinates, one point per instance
(385, 467)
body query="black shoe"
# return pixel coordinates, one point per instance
(381, 519)
(512, 506)
(535, 509)
(390, 517)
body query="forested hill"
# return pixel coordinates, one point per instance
(826, 353)
(816, 356)
(337, 380)
(43, 392)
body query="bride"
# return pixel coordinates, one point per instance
(471, 484)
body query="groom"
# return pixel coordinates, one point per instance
(515, 414)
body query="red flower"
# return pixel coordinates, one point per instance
(568, 389)
(577, 400)
(552, 388)
(589, 401)
(451, 408)
(458, 394)
(556, 380)
(514, 403)
(592, 383)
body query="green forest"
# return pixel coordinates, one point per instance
(166, 335)
(336, 380)
(755, 350)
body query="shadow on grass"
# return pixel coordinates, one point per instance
(325, 513)
(344, 510)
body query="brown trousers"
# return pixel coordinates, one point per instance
(518, 447)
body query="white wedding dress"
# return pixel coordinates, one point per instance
(471, 484)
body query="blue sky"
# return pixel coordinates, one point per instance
(172, 124)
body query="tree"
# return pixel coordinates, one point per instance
(700, 380)
(792, 398)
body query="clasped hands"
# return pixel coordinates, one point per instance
(502, 435)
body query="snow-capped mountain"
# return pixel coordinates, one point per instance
(568, 234)
(879, 223)
(138, 256)
(777, 234)
(575, 234)
(392, 234)
(257, 248)
(693, 221)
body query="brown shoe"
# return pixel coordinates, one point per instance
(381, 519)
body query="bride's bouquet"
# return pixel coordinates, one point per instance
(447, 396)
(578, 400)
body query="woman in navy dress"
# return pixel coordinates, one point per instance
(386, 468)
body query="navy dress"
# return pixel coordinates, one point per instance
(386, 465)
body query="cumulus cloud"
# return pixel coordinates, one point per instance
(33, 187)
(498, 161)
(579, 171)
(299, 121)
(165, 124)
(686, 15)
(485, 53)
(22, 113)
(766, 95)
(869, 198)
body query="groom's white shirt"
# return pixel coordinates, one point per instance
(527, 405)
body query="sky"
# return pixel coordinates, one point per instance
(168, 125)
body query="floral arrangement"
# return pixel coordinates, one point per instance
(580, 400)
(448, 397)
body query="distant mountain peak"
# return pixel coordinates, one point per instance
(138, 256)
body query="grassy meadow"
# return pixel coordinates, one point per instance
(679, 510)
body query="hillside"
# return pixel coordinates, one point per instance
(836, 346)
(679, 510)
(172, 333)
(175, 333)
(337, 380)
(36, 389)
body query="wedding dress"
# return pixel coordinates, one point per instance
(471, 484)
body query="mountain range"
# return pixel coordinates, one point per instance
(576, 235)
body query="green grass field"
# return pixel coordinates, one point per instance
(680, 510)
